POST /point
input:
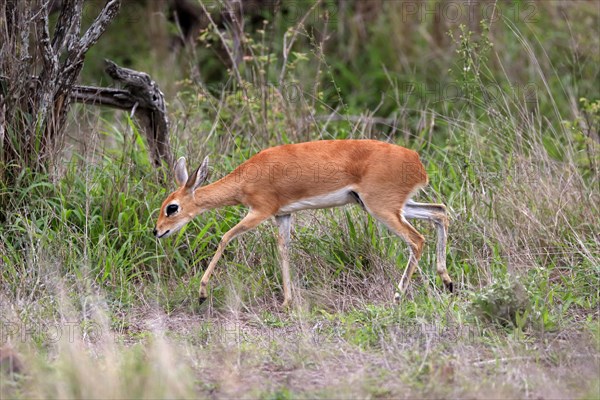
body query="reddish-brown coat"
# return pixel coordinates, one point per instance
(384, 176)
(284, 179)
(281, 175)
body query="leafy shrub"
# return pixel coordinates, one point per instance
(504, 302)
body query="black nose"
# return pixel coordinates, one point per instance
(155, 232)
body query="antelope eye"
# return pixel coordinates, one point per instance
(172, 209)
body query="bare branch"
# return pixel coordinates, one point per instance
(141, 96)
(91, 36)
(2, 119)
(49, 73)
(48, 53)
(47, 96)
(68, 25)
(139, 83)
(115, 98)
(150, 109)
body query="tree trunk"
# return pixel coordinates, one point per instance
(36, 109)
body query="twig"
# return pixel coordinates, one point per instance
(288, 47)
(525, 358)
(391, 122)
(224, 42)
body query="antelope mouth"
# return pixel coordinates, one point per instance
(167, 232)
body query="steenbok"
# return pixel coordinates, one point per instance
(278, 181)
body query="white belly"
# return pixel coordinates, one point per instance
(333, 199)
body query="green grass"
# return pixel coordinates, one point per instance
(519, 177)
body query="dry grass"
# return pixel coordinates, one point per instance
(250, 354)
(94, 307)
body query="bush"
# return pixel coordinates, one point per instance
(503, 302)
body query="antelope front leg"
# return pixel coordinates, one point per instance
(204, 281)
(283, 242)
(250, 221)
(437, 214)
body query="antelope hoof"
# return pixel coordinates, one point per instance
(202, 299)
(397, 298)
(449, 286)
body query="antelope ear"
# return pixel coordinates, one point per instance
(199, 177)
(181, 175)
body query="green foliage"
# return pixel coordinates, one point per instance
(585, 129)
(280, 394)
(505, 302)
(518, 171)
(473, 57)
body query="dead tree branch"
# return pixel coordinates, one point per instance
(34, 130)
(139, 94)
(143, 94)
